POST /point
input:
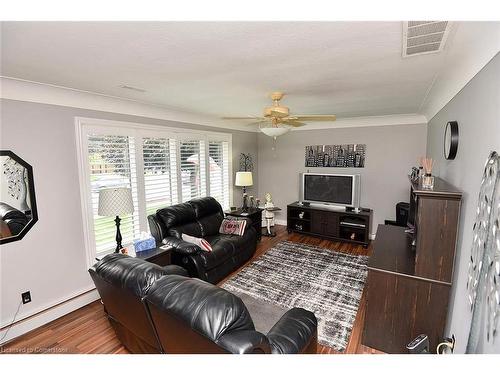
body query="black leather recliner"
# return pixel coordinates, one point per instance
(122, 283)
(202, 218)
(156, 309)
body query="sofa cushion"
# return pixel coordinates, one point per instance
(205, 206)
(191, 229)
(224, 247)
(233, 226)
(205, 308)
(176, 215)
(210, 224)
(200, 242)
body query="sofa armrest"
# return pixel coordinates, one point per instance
(295, 332)
(175, 270)
(181, 246)
(245, 342)
(156, 229)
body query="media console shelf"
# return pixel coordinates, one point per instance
(334, 224)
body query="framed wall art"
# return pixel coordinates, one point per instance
(338, 156)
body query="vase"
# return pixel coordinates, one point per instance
(428, 181)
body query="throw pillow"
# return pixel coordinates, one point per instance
(233, 226)
(200, 242)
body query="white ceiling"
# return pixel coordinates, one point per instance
(227, 68)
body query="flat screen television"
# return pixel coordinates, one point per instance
(341, 190)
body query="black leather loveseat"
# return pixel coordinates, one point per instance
(202, 218)
(16, 220)
(158, 310)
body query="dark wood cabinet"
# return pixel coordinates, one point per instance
(335, 224)
(255, 216)
(160, 255)
(401, 308)
(410, 274)
(324, 223)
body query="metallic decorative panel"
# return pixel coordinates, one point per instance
(484, 264)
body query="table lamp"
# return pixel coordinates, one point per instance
(244, 179)
(116, 202)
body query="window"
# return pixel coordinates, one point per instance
(160, 173)
(112, 164)
(162, 166)
(218, 154)
(193, 170)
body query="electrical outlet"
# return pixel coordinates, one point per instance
(26, 297)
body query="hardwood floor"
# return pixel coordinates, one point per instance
(87, 330)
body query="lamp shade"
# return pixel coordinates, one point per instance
(115, 202)
(243, 179)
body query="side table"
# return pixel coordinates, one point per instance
(161, 255)
(255, 216)
(269, 218)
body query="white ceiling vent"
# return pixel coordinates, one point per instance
(423, 37)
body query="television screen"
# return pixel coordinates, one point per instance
(330, 189)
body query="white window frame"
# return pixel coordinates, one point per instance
(85, 126)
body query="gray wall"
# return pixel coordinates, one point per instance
(477, 110)
(50, 260)
(390, 152)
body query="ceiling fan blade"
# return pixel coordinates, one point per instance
(279, 112)
(243, 118)
(294, 123)
(257, 122)
(315, 117)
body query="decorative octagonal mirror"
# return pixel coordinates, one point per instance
(17, 197)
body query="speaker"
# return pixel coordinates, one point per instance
(402, 213)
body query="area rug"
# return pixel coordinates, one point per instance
(323, 281)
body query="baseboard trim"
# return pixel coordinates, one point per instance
(280, 222)
(29, 323)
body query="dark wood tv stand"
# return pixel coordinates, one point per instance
(331, 223)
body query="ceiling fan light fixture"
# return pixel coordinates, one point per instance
(274, 131)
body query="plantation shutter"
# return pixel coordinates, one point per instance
(112, 164)
(193, 169)
(218, 152)
(160, 173)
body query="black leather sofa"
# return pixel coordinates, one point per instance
(160, 310)
(202, 218)
(16, 220)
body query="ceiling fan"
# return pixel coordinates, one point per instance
(277, 119)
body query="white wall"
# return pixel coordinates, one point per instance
(50, 260)
(391, 151)
(477, 110)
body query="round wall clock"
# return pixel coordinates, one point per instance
(451, 140)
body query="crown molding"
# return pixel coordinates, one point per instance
(28, 91)
(472, 46)
(36, 92)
